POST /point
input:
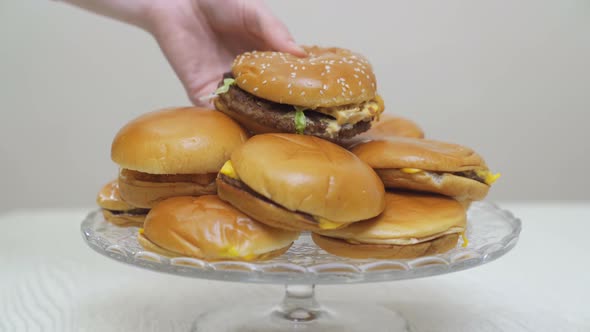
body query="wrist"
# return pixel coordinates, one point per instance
(134, 12)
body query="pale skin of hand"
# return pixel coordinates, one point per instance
(200, 38)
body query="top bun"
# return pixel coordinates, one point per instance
(429, 155)
(307, 174)
(109, 198)
(186, 140)
(207, 227)
(387, 126)
(408, 218)
(326, 77)
(393, 126)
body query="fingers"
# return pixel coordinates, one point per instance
(203, 95)
(260, 21)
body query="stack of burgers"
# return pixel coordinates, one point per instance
(295, 144)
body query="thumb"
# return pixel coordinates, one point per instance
(262, 23)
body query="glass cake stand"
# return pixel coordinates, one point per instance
(491, 232)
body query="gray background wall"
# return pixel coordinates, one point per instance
(508, 78)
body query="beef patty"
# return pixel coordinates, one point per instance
(471, 175)
(282, 116)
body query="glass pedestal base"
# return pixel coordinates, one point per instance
(300, 312)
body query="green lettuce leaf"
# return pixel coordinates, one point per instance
(227, 82)
(300, 120)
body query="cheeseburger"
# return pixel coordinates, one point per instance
(431, 166)
(116, 210)
(173, 152)
(412, 225)
(208, 228)
(330, 93)
(300, 182)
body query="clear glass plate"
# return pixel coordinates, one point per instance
(491, 232)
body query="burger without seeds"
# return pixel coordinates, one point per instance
(330, 93)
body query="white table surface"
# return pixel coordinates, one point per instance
(51, 281)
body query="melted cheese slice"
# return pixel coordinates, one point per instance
(411, 170)
(488, 177)
(333, 128)
(229, 171)
(351, 114)
(234, 252)
(327, 224)
(465, 240)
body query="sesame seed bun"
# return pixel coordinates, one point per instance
(327, 77)
(187, 140)
(208, 228)
(310, 175)
(411, 225)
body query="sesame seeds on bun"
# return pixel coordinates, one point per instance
(327, 77)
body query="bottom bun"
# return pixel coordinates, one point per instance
(461, 188)
(386, 251)
(123, 219)
(264, 211)
(150, 246)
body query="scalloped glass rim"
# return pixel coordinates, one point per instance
(491, 231)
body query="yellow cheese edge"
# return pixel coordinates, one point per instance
(488, 177)
(465, 240)
(233, 252)
(328, 224)
(411, 170)
(228, 170)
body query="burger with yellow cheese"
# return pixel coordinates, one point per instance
(330, 93)
(430, 166)
(208, 228)
(300, 182)
(412, 225)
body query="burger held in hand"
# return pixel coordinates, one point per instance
(330, 93)
(173, 152)
(412, 225)
(208, 228)
(299, 182)
(430, 166)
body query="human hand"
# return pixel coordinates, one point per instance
(200, 38)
